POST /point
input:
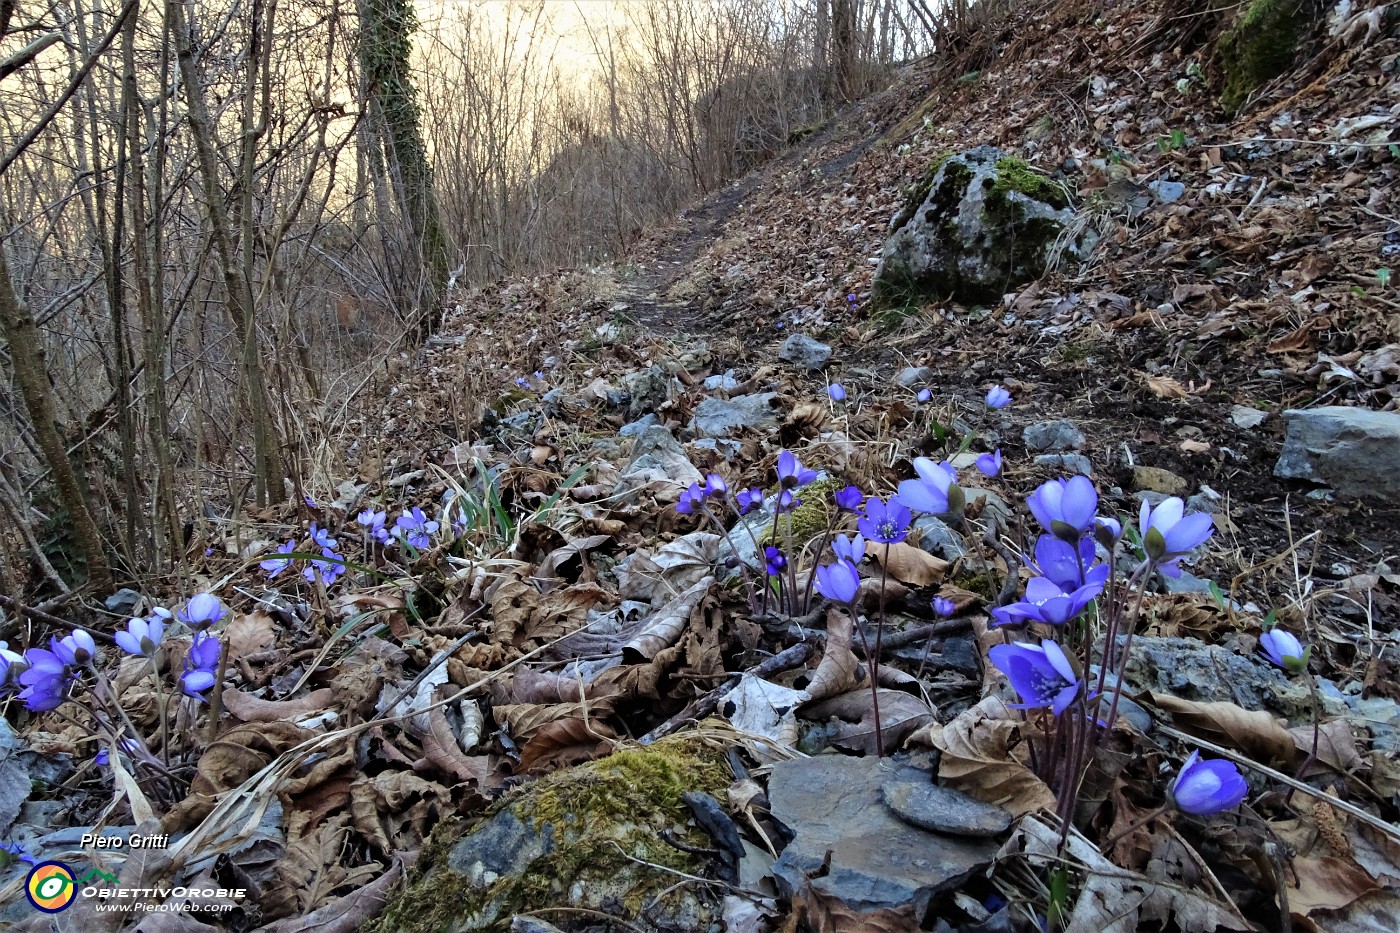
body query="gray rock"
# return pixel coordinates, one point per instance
(635, 428)
(123, 602)
(1193, 670)
(656, 454)
(804, 351)
(832, 803)
(1072, 463)
(716, 417)
(1186, 583)
(912, 377)
(725, 448)
(723, 382)
(996, 508)
(648, 389)
(938, 539)
(944, 810)
(1166, 191)
(1354, 450)
(1053, 435)
(1245, 417)
(972, 235)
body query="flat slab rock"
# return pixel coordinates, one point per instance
(835, 804)
(944, 810)
(1356, 451)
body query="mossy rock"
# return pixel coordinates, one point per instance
(987, 224)
(571, 846)
(1261, 46)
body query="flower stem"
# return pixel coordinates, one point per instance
(875, 657)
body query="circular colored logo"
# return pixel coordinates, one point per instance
(50, 887)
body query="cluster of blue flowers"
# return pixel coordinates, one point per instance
(41, 677)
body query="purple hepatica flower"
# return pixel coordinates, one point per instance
(522, 382)
(851, 549)
(1168, 535)
(415, 527)
(1206, 787)
(12, 664)
(11, 852)
(1285, 650)
(321, 537)
(715, 485)
(1041, 674)
(373, 522)
(788, 501)
(997, 397)
(774, 561)
(791, 473)
(201, 665)
(328, 570)
(44, 680)
(1046, 601)
(275, 565)
(140, 637)
(1065, 508)
(943, 607)
(924, 395)
(202, 611)
(1107, 531)
(936, 491)
(839, 581)
(849, 499)
(691, 499)
(836, 391)
(1070, 566)
(75, 650)
(749, 499)
(885, 523)
(990, 464)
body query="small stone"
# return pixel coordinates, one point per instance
(720, 418)
(1166, 191)
(1053, 435)
(914, 376)
(1073, 463)
(944, 810)
(724, 382)
(1245, 417)
(805, 352)
(635, 428)
(1156, 479)
(937, 538)
(1186, 583)
(1355, 451)
(996, 508)
(123, 602)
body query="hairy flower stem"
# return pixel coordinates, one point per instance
(1122, 663)
(1317, 731)
(806, 604)
(162, 708)
(875, 658)
(743, 568)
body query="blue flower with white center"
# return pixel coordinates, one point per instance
(1041, 674)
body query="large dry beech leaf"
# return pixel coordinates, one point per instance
(837, 671)
(665, 627)
(442, 748)
(900, 714)
(249, 708)
(671, 570)
(250, 633)
(1113, 899)
(820, 912)
(314, 867)
(565, 742)
(910, 565)
(978, 758)
(1254, 732)
(351, 912)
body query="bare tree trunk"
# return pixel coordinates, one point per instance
(31, 372)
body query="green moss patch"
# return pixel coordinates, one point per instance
(1260, 47)
(577, 838)
(1014, 174)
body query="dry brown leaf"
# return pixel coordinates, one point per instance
(900, 714)
(249, 708)
(1336, 746)
(1326, 883)
(524, 719)
(249, 633)
(911, 565)
(665, 627)
(1166, 387)
(1254, 732)
(441, 747)
(836, 673)
(983, 757)
(314, 867)
(826, 913)
(565, 742)
(352, 912)
(564, 611)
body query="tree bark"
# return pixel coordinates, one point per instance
(31, 372)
